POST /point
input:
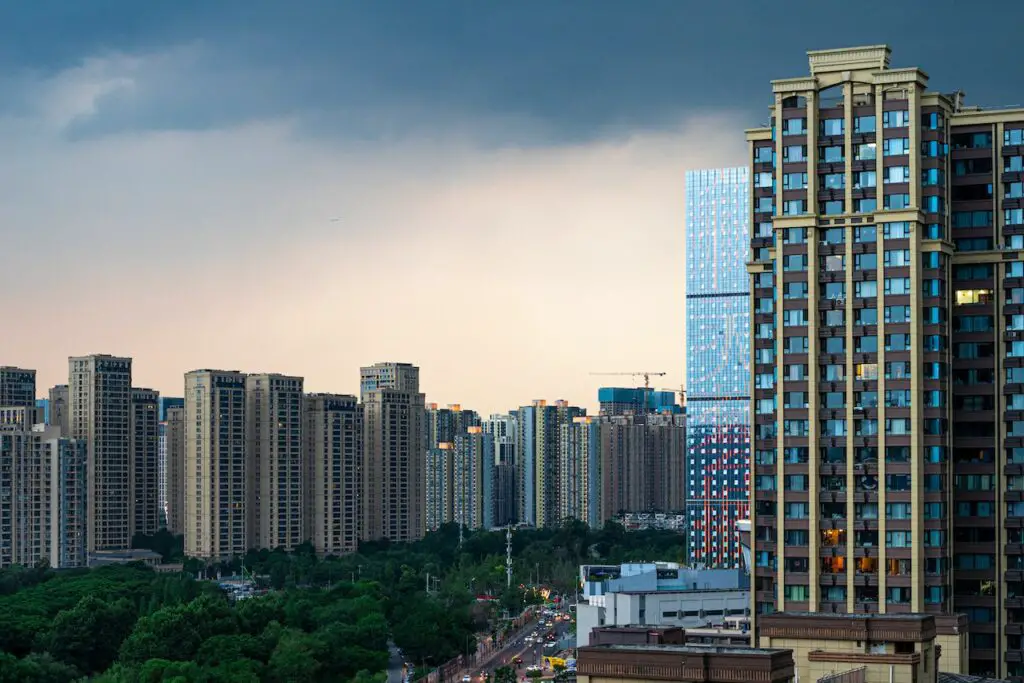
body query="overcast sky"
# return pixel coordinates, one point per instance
(506, 177)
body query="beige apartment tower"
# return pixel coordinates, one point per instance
(44, 516)
(175, 440)
(333, 435)
(274, 446)
(887, 298)
(393, 501)
(100, 391)
(216, 467)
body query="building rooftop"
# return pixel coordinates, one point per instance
(907, 616)
(944, 677)
(694, 649)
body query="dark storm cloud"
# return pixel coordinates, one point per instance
(578, 68)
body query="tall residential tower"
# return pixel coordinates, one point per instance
(887, 287)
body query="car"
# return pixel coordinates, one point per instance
(467, 679)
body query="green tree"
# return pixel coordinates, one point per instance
(296, 658)
(36, 668)
(88, 635)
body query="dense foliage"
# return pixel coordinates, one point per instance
(322, 619)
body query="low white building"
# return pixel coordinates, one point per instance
(659, 594)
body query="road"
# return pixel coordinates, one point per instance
(395, 664)
(517, 646)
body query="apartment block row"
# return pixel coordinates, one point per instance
(545, 463)
(82, 479)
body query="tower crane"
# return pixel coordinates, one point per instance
(681, 391)
(646, 375)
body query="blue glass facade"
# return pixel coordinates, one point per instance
(717, 362)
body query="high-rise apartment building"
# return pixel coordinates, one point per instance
(580, 470)
(145, 442)
(473, 479)
(717, 362)
(43, 505)
(60, 415)
(887, 285)
(503, 432)
(100, 391)
(438, 491)
(642, 461)
(273, 415)
(217, 470)
(165, 403)
(333, 434)
(17, 386)
(393, 498)
(397, 376)
(174, 470)
(540, 445)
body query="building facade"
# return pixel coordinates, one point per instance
(393, 500)
(100, 391)
(174, 471)
(333, 434)
(540, 444)
(274, 447)
(60, 416)
(886, 291)
(717, 362)
(145, 447)
(639, 401)
(217, 471)
(642, 462)
(43, 507)
(397, 376)
(17, 386)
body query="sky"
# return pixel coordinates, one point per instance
(492, 191)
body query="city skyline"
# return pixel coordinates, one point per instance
(182, 156)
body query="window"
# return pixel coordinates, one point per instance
(832, 207)
(1014, 190)
(833, 181)
(932, 176)
(897, 201)
(834, 290)
(794, 181)
(833, 236)
(835, 318)
(865, 205)
(897, 174)
(794, 345)
(794, 153)
(864, 233)
(897, 342)
(897, 285)
(764, 180)
(933, 148)
(865, 152)
(895, 147)
(966, 297)
(832, 263)
(972, 140)
(765, 205)
(897, 314)
(794, 290)
(836, 345)
(831, 154)
(897, 257)
(795, 236)
(896, 231)
(865, 261)
(932, 120)
(764, 155)
(867, 316)
(794, 207)
(863, 179)
(794, 317)
(1013, 136)
(794, 262)
(864, 124)
(865, 289)
(831, 126)
(796, 126)
(895, 119)
(866, 371)
(867, 344)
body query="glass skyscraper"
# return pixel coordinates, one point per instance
(717, 363)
